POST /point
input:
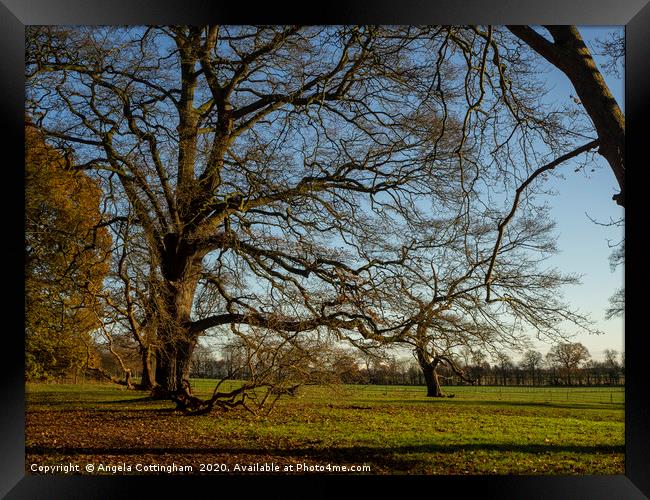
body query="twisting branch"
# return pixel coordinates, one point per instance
(502, 225)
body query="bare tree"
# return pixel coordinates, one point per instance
(440, 290)
(240, 152)
(505, 365)
(281, 180)
(532, 361)
(568, 356)
(612, 365)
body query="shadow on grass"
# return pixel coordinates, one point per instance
(89, 403)
(148, 403)
(143, 399)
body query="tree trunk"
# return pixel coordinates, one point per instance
(181, 268)
(166, 372)
(148, 375)
(173, 366)
(434, 390)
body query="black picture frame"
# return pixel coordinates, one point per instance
(16, 14)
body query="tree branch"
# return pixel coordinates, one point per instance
(515, 204)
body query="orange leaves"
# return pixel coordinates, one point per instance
(67, 258)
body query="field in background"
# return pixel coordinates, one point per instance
(520, 394)
(390, 429)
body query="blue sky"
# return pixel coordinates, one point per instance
(583, 245)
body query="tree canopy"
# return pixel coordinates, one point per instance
(357, 180)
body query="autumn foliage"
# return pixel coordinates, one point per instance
(66, 260)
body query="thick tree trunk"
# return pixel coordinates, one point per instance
(166, 372)
(434, 390)
(148, 375)
(173, 366)
(181, 268)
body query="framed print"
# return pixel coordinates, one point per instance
(251, 247)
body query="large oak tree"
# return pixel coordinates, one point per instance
(241, 153)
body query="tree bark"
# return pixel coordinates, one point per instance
(434, 390)
(148, 374)
(428, 367)
(181, 268)
(570, 55)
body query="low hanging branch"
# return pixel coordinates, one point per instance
(93, 367)
(457, 369)
(515, 204)
(193, 405)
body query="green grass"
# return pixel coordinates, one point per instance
(394, 429)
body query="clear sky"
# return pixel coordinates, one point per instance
(583, 244)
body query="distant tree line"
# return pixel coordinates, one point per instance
(567, 364)
(564, 365)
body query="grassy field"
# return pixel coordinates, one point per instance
(375, 429)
